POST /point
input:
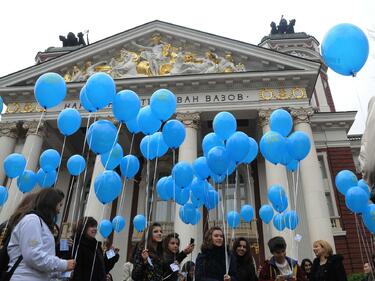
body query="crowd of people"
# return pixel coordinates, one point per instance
(33, 246)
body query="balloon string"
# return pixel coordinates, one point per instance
(67, 201)
(367, 250)
(61, 157)
(147, 192)
(359, 239)
(113, 146)
(8, 189)
(87, 127)
(153, 190)
(225, 231)
(36, 133)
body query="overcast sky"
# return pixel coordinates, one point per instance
(31, 26)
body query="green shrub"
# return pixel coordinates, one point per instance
(356, 277)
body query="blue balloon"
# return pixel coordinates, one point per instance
(26, 181)
(279, 222)
(183, 217)
(196, 218)
(356, 199)
(129, 166)
(76, 165)
(107, 186)
(199, 188)
(111, 159)
(148, 149)
(247, 213)
(197, 202)
(345, 49)
(68, 121)
(218, 160)
(368, 217)
(182, 174)
(100, 90)
(101, 136)
(210, 141)
(163, 104)
(270, 145)
(50, 90)
(218, 179)
(158, 142)
(292, 165)
(231, 167)
(212, 199)
(85, 101)
(298, 145)
(291, 219)
(277, 196)
(174, 133)
(363, 184)
(233, 219)
(132, 126)
(105, 228)
(238, 146)
(345, 179)
(200, 167)
(224, 125)
(253, 151)
(148, 123)
(126, 106)
(14, 165)
(161, 189)
(3, 195)
(181, 195)
(281, 122)
(1, 105)
(140, 223)
(46, 180)
(266, 213)
(169, 187)
(49, 160)
(118, 223)
(188, 211)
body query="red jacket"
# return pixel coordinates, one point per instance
(270, 271)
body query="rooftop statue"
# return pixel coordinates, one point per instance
(71, 40)
(283, 27)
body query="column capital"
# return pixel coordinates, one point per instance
(32, 126)
(9, 129)
(302, 114)
(189, 119)
(264, 116)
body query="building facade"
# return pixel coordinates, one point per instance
(208, 74)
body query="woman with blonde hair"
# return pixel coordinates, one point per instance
(326, 265)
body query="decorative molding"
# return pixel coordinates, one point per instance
(9, 129)
(32, 128)
(282, 94)
(189, 119)
(302, 114)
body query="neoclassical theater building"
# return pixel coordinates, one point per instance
(208, 73)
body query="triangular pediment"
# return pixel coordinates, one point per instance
(161, 49)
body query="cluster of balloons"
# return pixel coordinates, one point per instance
(278, 147)
(246, 214)
(345, 49)
(106, 226)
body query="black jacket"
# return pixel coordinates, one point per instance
(144, 271)
(168, 259)
(333, 270)
(245, 269)
(210, 265)
(85, 259)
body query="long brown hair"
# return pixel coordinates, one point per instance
(83, 224)
(207, 241)
(166, 241)
(247, 257)
(154, 251)
(25, 206)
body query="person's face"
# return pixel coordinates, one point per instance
(307, 267)
(91, 231)
(157, 234)
(279, 255)
(173, 245)
(241, 249)
(59, 207)
(318, 250)
(217, 238)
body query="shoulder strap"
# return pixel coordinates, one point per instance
(14, 267)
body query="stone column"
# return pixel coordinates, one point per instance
(318, 218)
(188, 153)
(94, 208)
(276, 174)
(8, 139)
(31, 150)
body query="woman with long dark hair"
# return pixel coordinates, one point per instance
(326, 265)
(211, 261)
(172, 257)
(148, 256)
(244, 260)
(91, 265)
(306, 266)
(32, 245)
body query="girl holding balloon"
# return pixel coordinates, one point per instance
(244, 260)
(148, 256)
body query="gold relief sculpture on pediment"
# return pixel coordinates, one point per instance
(282, 94)
(15, 107)
(159, 58)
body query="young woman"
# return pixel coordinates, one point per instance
(91, 265)
(306, 266)
(32, 245)
(210, 263)
(187, 272)
(172, 258)
(326, 265)
(244, 260)
(148, 256)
